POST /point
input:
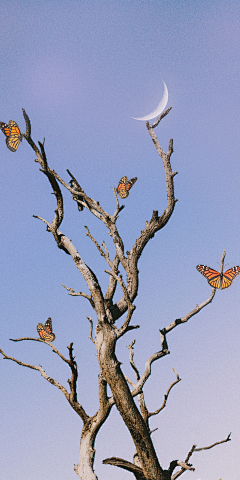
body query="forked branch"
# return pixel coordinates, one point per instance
(194, 449)
(75, 405)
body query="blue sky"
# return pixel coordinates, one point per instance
(82, 70)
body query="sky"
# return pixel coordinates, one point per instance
(82, 70)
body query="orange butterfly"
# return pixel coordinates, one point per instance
(216, 279)
(124, 186)
(13, 134)
(45, 331)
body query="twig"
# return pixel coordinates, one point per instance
(91, 329)
(228, 439)
(55, 350)
(73, 380)
(105, 255)
(222, 262)
(155, 124)
(166, 395)
(196, 310)
(131, 354)
(194, 449)
(79, 294)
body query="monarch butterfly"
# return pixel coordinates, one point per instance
(216, 279)
(124, 186)
(45, 331)
(13, 134)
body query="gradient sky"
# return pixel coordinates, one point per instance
(82, 70)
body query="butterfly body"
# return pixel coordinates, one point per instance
(45, 331)
(124, 186)
(216, 279)
(13, 134)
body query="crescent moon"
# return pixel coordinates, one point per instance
(159, 108)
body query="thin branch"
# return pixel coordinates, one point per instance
(155, 124)
(193, 450)
(78, 197)
(129, 381)
(89, 203)
(73, 380)
(148, 363)
(131, 354)
(141, 399)
(40, 369)
(91, 329)
(75, 405)
(112, 283)
(222, 262)
(196, 310)
(118, 209)
(166, 395)
(105, 255)
(228, 439)
(79, 294)
(55, 350)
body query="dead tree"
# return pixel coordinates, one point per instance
(145, 464)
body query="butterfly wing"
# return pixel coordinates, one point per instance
(131, 183)
(124, 186)
(5, 128)
(50, 336)
(121, 189)
(213, 277)
(229, 276)
(41, 330)
(15, 136)
(48, 325)
(13, 142)
(45, 331)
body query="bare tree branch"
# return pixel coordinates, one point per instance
(166, 395)
(112, 283)
(193, 450)
(55, 350)
(76, 406)
(228, 439)
(155, 124)
(148, 363)
(91, 329)
(73, 380)
(81, 294)
(132, 363)
(196, 310)
(78, 197)
(119, 462)
(103, 254)
(222, 262)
